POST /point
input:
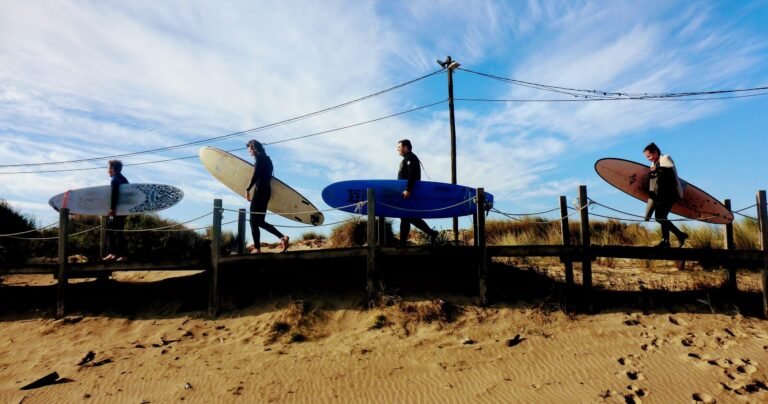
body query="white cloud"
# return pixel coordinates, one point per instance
(96, 79)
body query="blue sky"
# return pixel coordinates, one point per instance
(82, 79)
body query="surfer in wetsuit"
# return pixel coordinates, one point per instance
(664, 190)
(410, 169)
(115, 224)
(262, 176)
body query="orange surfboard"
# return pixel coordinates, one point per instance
(633, 179)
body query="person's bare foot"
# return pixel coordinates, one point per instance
(284, 242)
(122, 259)
(110, 257)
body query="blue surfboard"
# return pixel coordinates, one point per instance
(428, 200)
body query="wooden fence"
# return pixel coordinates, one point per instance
(584, 253)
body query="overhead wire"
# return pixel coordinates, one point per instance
(239, 148)
(611, 95)
(216, 138)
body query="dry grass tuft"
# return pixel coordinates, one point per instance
(435, 311)
(354, 233)
(298, 322)
(312, 235)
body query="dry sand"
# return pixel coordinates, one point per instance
(327, 348)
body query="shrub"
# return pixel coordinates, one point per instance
(11, 221)
(312, 235)
(354, 233)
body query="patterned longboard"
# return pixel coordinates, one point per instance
(134, 199)
(633, 179)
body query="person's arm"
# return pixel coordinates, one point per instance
(254, 181)
(114, 198)
(414, 174)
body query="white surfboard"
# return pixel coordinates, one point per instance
(134, 199)
(236, 174)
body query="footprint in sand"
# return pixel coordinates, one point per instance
(634, 375)
(624, 361)
(703, 398)
(637, 391)
(677, 321)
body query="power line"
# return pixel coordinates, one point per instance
(593, 99)
(216, 138)
(239, 148)
(610, 95)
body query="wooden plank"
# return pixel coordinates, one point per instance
(482, 252)
(213, 293)
(295, 255)
(586, 263)
(565, 231)
(371, 260)
(729, 244)
(762, 214)
(241, 236)
(63, 254)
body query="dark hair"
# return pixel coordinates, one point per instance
(652, 148)
(256, 145)
(406, 143)
(116, 165)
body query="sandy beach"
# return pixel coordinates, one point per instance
(324, 346)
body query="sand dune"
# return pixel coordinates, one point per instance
(144, 337)
(318, 350)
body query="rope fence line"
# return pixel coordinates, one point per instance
(28, 231)
(591, 201)
(473, 199)
(56, 237)
(525, 214)
(510, 216)
(746, 216)
(162, 227)
(357, 204)
(309, 226)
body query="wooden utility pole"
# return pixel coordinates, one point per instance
(450, 65)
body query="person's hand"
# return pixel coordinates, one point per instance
(111, 213)
(406, 194)
(247, 195)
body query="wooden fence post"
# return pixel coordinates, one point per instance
(381, 227)
(482, 253)
(63, 264)
(241, 231)
(213, 293)
(103, 236)
(586, 260)
(762, 215)
(565, 230)
(370, 286)
(730, 284)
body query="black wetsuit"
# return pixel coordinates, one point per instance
(410, 169)
(262, 176)
(663, 194)
(116, 224)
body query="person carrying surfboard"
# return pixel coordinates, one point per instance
(664, 189)
(410, 169)
(262, 176)
(115, 224)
